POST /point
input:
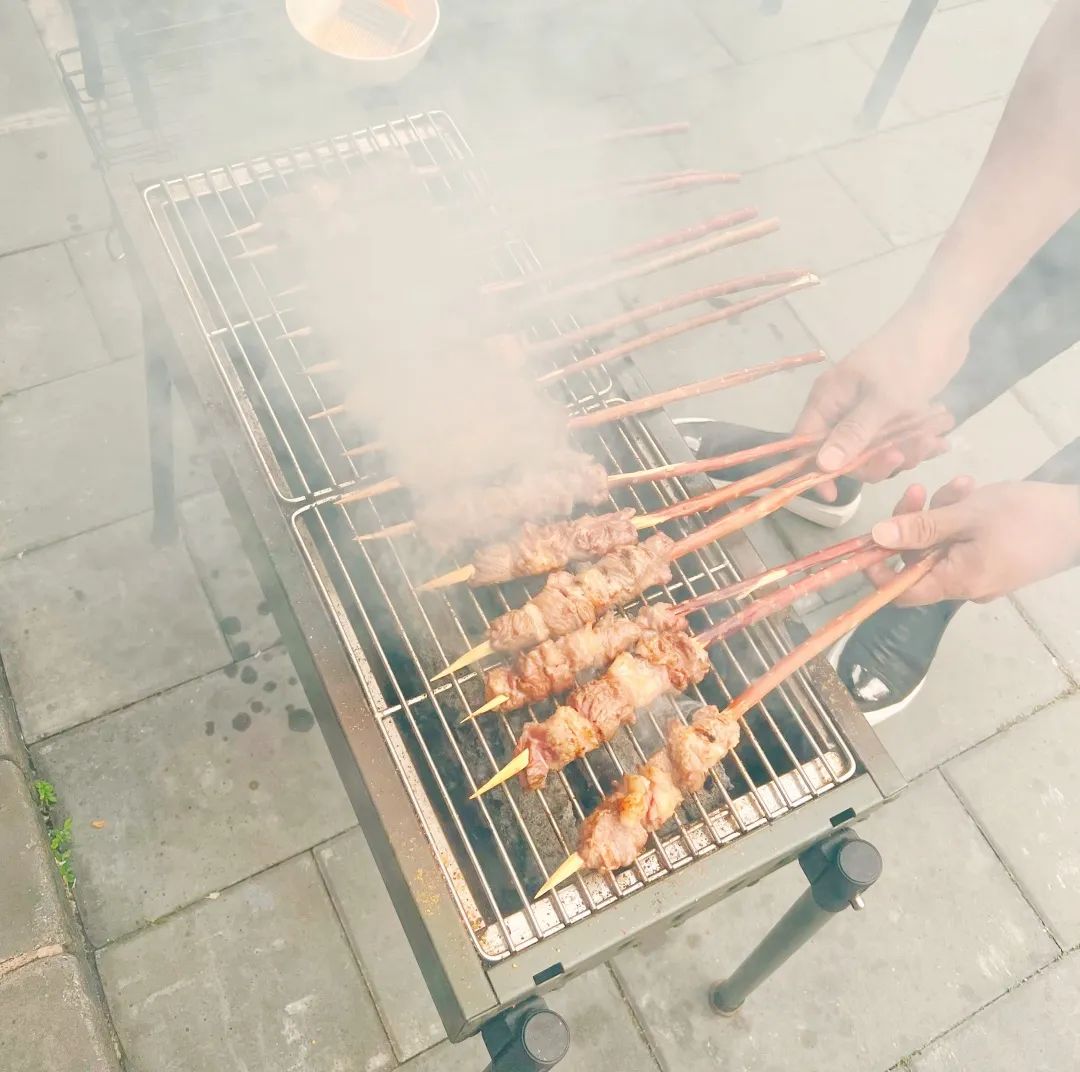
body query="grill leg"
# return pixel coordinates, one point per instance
(527, 1038)
(840, 869)
(908, 35)
(160, 427)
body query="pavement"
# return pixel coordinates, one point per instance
(227, 914)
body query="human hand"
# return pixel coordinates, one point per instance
(997, 538)
(894, 374)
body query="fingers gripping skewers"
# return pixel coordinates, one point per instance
(614, 835)
(552, 667)
(662, 662)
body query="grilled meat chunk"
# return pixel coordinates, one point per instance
(568, 602)
(543, 548)
(614, 835)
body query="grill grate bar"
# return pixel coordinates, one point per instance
(495, 850)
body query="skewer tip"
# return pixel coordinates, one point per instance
(495, 701)
(391, 483)
(481, 651)
(515, 766)
(570, 866)
(447, 579)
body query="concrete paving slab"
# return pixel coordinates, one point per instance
(29, 83)
(967, 55)
(603, 1033)
(944, 932)
(749, 33)
(990, 671)
(746, 117)
(1022, 789)
(74, 455)
(222, 777)
(852, 303)
(99, 621)
(1051, 606)
(1053, 395)
(260, 978)
(60, 192)
(910, 181)
(227, 575)
(1033, 1027)
(108, 288)
(49, 1019)
(380, 945)
(46, 327)
(31, 902)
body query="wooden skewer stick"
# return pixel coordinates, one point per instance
(670, 331)
(391, 483)
(384, 534)
(515, 766)
(249, 228)
(724, 240)
(626, 253)
(448, 579)
(647, 312)
(495, 701)
(251, 254)
(790, 664)
(323, 366)
(691, 390)
(570, 866)
(749, 585)
(481, 651)
(296, 333)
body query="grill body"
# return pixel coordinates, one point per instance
(461, 875)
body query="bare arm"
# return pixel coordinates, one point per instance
(1027, 187)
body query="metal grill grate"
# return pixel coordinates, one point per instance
(494, 851)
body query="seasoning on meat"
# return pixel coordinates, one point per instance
(660, 663)
(474, 513)
(567, 602)
(552, 667)
(615, 834)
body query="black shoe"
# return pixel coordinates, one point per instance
(708, 438)
(885, 661)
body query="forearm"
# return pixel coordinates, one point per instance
(1027, 187)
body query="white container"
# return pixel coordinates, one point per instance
(311, 17)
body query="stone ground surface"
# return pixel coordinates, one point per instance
(232, 912)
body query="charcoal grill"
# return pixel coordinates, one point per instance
(231, 334)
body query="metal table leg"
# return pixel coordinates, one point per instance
(840, 869)
(86, 34)
(160, 426)
(907, 36)
(527, 1038)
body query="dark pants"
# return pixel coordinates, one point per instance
(1035, 318)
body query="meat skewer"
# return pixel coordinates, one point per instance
(607, 414)
(627, 348)
(552, 667)
(724, 240)
(510, 348)
(670, 331)
(626, 253)
(660, 663)
(543, 548)
(567, 602)
(615, 834)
